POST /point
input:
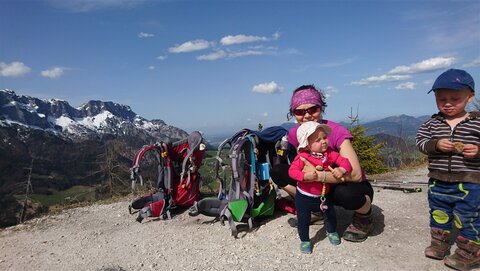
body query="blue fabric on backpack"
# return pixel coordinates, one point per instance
(272, 134)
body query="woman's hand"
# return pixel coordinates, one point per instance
(311, 176)
(307, 166)
(337, 172)
(321, 175)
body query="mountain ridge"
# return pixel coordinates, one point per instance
(91, 120)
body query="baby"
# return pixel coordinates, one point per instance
(312, 195)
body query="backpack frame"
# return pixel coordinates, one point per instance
(178, 179)
(249, 194)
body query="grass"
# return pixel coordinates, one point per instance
(74, 194)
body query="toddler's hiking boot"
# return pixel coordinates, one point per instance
(306, 247)
(334, 238)
(440, 244)
(466, 256)
(360, 228)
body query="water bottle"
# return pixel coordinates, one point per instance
(264, 171)
(284, 143)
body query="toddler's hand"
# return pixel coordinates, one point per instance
(445, 145)
(470, 150)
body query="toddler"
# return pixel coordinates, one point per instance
(311, 194)
(451, 139)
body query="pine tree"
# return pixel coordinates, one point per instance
(259, 127)
(368, 153)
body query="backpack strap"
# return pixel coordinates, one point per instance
(135, 169)
(227, 215)
(220, 166)
(195, 140)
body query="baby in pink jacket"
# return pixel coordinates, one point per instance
(312, 195)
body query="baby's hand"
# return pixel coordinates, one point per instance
(338, 172)
(445, 145)
(310, 176)
(470, 150)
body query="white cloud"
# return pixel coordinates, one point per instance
(379, 79)
(230, 40)
(237, 39)
(90, 5)
(13, 69)
(190, 46)
(213, 56)
(53, 73)
(427, 65)
(406, 85)
(276, 36)
(162, 57)
(151, 67)
(265, 114)
(329, 90)
(145, 35)
(404, 72)
(244, 53)
(267, 88)
(474, 63)
(228, 54)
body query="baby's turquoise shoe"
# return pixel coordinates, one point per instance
(306, 247)
(334, 238)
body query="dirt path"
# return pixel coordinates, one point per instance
(106, 237)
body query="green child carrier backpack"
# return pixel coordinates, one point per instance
(245, 189)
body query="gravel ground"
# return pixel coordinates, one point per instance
(106, 237)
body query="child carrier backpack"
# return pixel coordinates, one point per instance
(249, 193)
(178, 179)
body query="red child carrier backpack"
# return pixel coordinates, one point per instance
(178, 181)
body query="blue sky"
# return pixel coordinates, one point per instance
(218, 66)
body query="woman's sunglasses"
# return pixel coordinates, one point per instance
(311, 110)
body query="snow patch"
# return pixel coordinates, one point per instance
(96, 121)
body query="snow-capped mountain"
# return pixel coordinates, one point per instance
(94, 119)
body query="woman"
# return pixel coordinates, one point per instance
(352, 192)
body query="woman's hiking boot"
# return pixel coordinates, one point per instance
(440, 244)
(466, 256)
(360, 228)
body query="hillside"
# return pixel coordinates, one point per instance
(106, 237)
(67, 147)
(402, 126)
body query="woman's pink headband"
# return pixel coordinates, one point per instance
(305, 96)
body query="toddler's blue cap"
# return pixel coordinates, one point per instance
(454, 79)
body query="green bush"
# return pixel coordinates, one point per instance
(368, 153)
